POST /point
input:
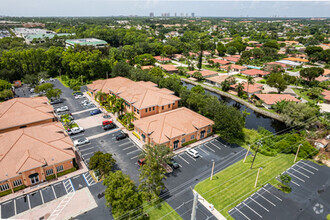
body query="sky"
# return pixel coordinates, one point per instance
(213, 8)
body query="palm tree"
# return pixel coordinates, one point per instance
(250, 80)
(118, 106)
(111, 99)
(240, 88)
(129, 117)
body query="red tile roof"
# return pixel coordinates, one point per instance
(147, 67)
(162, 59)
(169, 68)
(253, 88)
(233, 66)
(271, 99)
(232, 59)
(204, 73)
(254, 72)
(221, 62)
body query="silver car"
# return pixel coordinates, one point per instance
(62, 109)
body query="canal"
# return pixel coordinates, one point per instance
(254, 120)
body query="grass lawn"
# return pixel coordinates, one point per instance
(240, 76)
(303, 94)
(63, 82)
(296, 70)
(162, 211)
(234, 184)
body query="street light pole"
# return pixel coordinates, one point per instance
(212, 169)
(193, 213)
(246, 154)
(255, 184)
(295, 158)
(255, 154)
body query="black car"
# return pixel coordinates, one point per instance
(121, 136)
(174, 164)
(56, 101)
(109, 126)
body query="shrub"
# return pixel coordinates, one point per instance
(136, 135)
(50, 177)
(5, 192)
(66, 172)
(19, 188)
(189, 142)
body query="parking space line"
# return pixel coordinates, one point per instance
(259, 204)
(209, 148)
(252, 209)
(133, 151)
(86, 180)
(304, 169)
(215, 145)
(89, 153)
(135, 157)
(81, 150)
(183, 159)
(201, 156)
(57, 183)
(75, 177)
(242, 213)
(265, 198)
(15, 207)
(200, 148)
(129, 147)
(295, 183)
(300, 172)
(124, 143)
(191, 157)
(77, 135)
(42, 197)
(310, 166)
(54, 191)
(295, 176)
(83, 145)
(272, 194)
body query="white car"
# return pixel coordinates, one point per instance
(32, 90)
(85, 101)
(79, 96)
(192, 152)
(62, 109)
(51, 79)
(81, 141)
(75, 130)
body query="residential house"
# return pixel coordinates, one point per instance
(221, 62)
(29, 155)
(271, 99)
(173, 128)
(249, 89)
(25, 112)
(149, 67)
(254, 73)
(161, 59)
(178, 57)
(326, 73)
(298, 60)
(169, 68)
(205, 73)
(142, 98)
(232, 59)
(326, 96)
(216, 80)
(233, 68)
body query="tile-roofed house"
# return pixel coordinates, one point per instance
(169, 68)
(173, 128)
(178, 57)
(232, 59)
(221, 62)
(216, 80)
(162, 59)
(271, 99)
(326, 73)
(276, 63)
(147, 67)
(322, 78)
(30, 154)
(21, 112)
(255, 73)
(251, 89)
(234, 68)
(298, 60)
(326, 96)
(205, 73)
(143, 98)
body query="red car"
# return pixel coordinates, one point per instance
(107, 122)
(141, 161)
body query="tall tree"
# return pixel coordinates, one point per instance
(311, 73)
(277, 81)
(250, 80)
(102, 162)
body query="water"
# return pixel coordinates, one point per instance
(254, 120)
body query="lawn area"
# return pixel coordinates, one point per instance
(63, 82)
(208, 67)
(303, 94)
(163, 211)
(296, 70)
(240, 76)
(234, 184)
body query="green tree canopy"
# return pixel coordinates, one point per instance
(297, 114)
(4, 85)
(102, 162)
(311, 73)
(277, 81)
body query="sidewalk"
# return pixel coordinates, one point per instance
(197, 143)
(207, 205)
(44, 184)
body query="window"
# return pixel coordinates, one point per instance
(49, 172)
(183, 140)
(149, 109)
(59, 168)
(209, 130)
(4, 187)
(17, 182)
(192, 137)
(134, 109)
(173, 104)
(169, 106)
(137, 110)
(153, 108)
(146, 109)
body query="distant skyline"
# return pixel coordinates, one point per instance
(215, 8)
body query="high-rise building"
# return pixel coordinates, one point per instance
(193, 14)
(175, 14)
(151, 14)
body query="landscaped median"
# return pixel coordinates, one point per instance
(161, 211)
(234, 184)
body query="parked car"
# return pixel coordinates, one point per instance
(81, 141)
(62, 109)
(77, 93)
(95, 112)
(192, 152)
(121, 136)
(32, 90)
(51, 79)
(75, 130)
(56, 101)
(78, 96)
(109, 126)
(141, 161)
(85, 101)
(174, 164)
(106, 122)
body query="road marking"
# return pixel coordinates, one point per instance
(89, 153)
(272, 194)
(310, 166)
(75, 177)
(57, 183)
(215, 146)
(295, 176)
(83, 145)
(209, 148)
(242, 213)
(201, 156)
(133, 151)
(124, 143)
(265, 199)
(304, 169)
(183, 159)
(300, 173)
(191, 157)
(200, 148)
(129, 147)
(219, 143)
(252, 210)
(77, 135)
(42, 198)
(259, 204)
(295, 183)
(81, 150)
(54, 191)
(135, 157)
(15, 207)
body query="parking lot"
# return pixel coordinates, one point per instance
(309, 198)
(29, 201)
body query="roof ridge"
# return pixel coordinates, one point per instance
(20, 136)
(15, 100)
